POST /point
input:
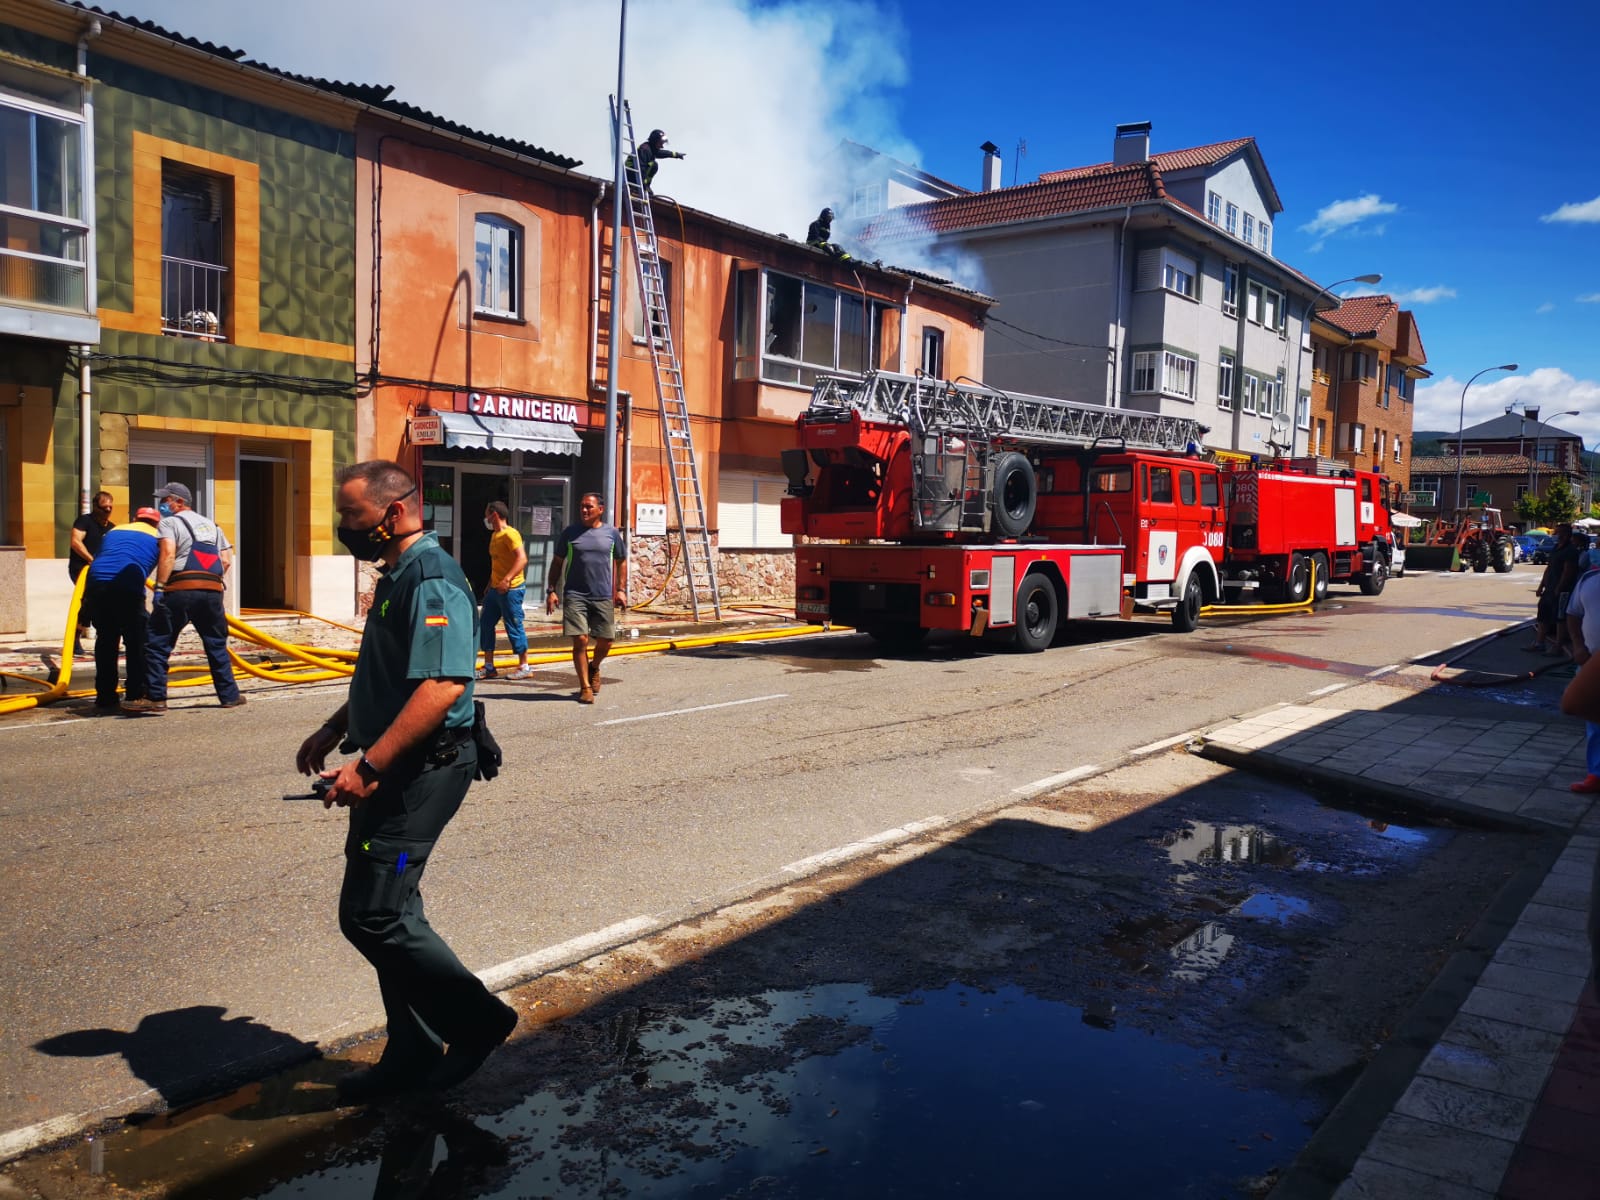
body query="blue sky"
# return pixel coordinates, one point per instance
(1451, 151)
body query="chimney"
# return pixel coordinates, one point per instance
(1132, 144)
(991, 166)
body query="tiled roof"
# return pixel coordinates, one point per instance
(1365, 317)
(1109, 187)
(1165, 160)
(1476, 464)
(375, 95)
(1511, 425)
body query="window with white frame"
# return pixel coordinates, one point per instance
(932, 352)
(1178, 375)
(1252, 387)
(1322, 437)
(497, 266)
(1178, 273)
(1355, 438)
(868, 200)
(1397, 445)
(1302, 411)
(748, 512)
(1272, 309)
(1249, 228)
(1214, 208)
(1266, 237)
(1146, 363)
(1266, 396)
(1233, 218)
(1252, 303)
(1225, 381)
(1230, 290)
(1377, 442)
(46, 221)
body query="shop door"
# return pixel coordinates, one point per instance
(475, 490)
(265, 525)
(539, 514)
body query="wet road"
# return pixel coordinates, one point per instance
(172, 915)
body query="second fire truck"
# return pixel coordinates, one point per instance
(924, 504)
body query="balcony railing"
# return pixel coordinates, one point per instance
(194, 299)
(41, 279)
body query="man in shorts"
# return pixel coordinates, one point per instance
(595, 563)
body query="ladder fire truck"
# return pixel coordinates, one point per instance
(924, 504)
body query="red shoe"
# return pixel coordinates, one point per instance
(1586, 786)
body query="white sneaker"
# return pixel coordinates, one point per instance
(521, 673)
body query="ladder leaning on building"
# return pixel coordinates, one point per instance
(688, 498)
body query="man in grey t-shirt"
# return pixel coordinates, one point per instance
(596, 565)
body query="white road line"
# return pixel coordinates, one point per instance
(1332, 687)
(1383, 670)
(851, 850)
(1050, 782)
(1163, 744)
(575, 950)
(678, 712)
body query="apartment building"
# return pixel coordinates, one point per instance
(1367, 356)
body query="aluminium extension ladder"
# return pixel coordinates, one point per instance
(688, 498)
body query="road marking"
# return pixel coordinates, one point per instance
(576, 950)
(1051, 782)
(678, 712)
(1383, 671)
(1163, 744)
(838, 854)
(1332, 687)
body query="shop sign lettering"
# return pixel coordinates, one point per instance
(528, 408)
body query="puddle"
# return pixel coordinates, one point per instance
(1201, 952)
(1201, 843)
(831, 1091)
(1269, 906)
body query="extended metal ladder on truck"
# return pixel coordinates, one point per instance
(961, 433)
(688, 498)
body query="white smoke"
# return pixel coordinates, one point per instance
(757, 94)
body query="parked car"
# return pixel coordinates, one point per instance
(1541, 552)
(1527, 543)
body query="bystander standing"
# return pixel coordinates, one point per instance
(410, 714)
(116, 593)
(1583, 627)
(1545, 620)
(87, 532)
(507, 589)
(594, 588)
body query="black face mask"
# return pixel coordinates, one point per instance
(367, 544)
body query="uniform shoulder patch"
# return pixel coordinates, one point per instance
(436, 619)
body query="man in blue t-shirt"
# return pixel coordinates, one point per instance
(596, 563)
(115, 593)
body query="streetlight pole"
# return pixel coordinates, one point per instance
(1299, 362)
(1461, 423)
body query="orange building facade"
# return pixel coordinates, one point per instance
(1367, 356)
(483, 315)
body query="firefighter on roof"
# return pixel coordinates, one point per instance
(820, 235)
(654, 148)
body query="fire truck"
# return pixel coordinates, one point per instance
(923, 504)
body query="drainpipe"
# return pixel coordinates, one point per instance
(90, 269)
(1116, 310)
(624, 519)
(905, 325)
(1241, 297)
(594, 286)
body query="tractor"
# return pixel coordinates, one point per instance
(1474, 540)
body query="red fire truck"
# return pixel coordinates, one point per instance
(924, 504)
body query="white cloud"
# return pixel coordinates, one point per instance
(1346, 216)
(1424, 295)
(1550, 389)
(757, 93)
(1586, 213)
(1546, 307)
(1589, 298)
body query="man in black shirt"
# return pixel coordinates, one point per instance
(88, 531)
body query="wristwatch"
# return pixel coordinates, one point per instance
(366, 770)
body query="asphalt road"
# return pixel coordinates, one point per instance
(167, 915)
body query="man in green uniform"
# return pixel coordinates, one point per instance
(410, 713)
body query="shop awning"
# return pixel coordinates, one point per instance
(474, 431)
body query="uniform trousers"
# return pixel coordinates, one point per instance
(119, 622)
(204, 611)
(429, 997)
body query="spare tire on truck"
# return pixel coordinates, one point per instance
(1014, 495)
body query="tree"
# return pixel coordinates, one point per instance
(1560, 504)
(1530, 510)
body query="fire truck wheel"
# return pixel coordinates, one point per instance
(1372, 582)
(1298, 586)
(1319, 566)
(1037, 610)
(1015, 495)
(1187, 614)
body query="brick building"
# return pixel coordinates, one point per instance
(1366, 357)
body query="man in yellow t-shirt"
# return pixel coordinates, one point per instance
(502, 599)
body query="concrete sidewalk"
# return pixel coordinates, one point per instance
(1491, 1088)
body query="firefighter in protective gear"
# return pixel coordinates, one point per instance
(654, 149)
(820, 235)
